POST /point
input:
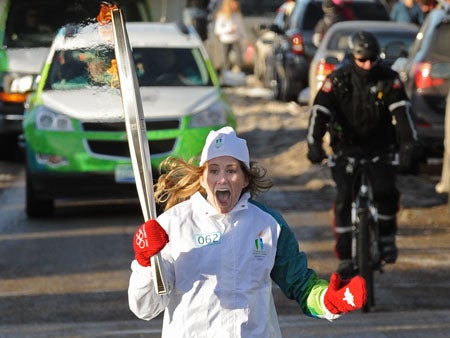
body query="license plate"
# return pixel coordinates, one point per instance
(124, 173)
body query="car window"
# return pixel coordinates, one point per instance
(313, 14)
(339, 41)
(395, 44)
(280, 20)
(369, 11)
(34, 23)
(307, 18)
(425, 29)
(170, 67)
(260, 7)
(80, 68)
(439, 50)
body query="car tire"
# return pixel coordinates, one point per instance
(36, 207)
(267, 76)
(280, 87)
(275, 86)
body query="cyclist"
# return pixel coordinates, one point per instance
(364, 107)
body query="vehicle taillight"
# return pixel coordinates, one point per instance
(324, 68)
(297, 44)
(423, 78)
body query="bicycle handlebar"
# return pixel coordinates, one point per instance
(392, 158)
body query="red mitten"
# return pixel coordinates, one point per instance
(148, 240)
(345, 296)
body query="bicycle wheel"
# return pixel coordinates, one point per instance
(364, 259)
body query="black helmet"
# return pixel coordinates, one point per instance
(364, 45)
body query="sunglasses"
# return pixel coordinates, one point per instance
(366, 59)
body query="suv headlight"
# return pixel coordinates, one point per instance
(47, 119)
(215, 114)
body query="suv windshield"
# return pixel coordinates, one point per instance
(81, 68)
(34, 23)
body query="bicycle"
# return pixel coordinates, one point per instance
(366, 257)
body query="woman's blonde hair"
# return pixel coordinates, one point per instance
(180, 179)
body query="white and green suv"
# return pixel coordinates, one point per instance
(75, 139)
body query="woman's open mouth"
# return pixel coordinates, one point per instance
(223, 196)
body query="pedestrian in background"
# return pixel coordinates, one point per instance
(407, 11)
(427, 5)
(334, 11)
(230, 30)
(225, 250)
(195, 13)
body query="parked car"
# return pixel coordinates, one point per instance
(426, 74)
(394, 38)
(75, 139)
(293, 48)
(263, 46)
(443, 186)
(27, 29)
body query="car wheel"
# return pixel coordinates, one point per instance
(280, 87)
(275, 86)
(36, 207)
(268, 74)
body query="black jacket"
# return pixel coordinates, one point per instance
(363, 111)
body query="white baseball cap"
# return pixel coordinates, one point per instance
(224, 142)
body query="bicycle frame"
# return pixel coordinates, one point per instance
(363, 205)
(364, 217)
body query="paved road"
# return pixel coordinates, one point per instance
(401, 324)
(67, 276)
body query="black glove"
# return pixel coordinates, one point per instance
(411, 154)
(315, 153)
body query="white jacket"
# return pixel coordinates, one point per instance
(218, 270)
(230, 30)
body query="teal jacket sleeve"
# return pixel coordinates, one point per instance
(291, 273)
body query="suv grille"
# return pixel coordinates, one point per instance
(114, 148)
(121, 148)
(120, 126)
